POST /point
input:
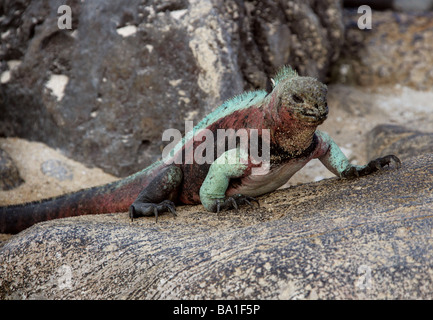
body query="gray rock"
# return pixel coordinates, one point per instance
(366, 238)
(9, 174)
(394, 51)
(398, 140)
(306, 36)
(57, 169)
(413, 5)
(105, 91)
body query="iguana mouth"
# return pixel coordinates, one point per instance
(312, 115)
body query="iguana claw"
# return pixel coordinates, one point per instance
(234, 202)
(147, 209)
(372, 166)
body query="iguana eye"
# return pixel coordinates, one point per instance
(297, 98)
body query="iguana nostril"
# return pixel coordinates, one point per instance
(297, 98)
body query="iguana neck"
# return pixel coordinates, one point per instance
(292, 140)
(289, 134)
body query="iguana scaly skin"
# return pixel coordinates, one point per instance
(291, 112)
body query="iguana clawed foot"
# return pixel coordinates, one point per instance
(372, 166)
(233, 202)
(147, 209)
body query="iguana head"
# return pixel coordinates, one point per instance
(300, 98)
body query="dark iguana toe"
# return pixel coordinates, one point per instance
(233, 202)
(148, 209)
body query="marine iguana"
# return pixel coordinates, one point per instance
(291, 111)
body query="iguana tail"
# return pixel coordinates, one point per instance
(113, 197)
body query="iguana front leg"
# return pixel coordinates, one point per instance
(157, 196)
(231, 164)
(336, 162)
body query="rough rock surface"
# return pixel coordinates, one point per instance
(9, 174)
(393, 139)
(364, 238)
(397, 50)
(105, 90)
